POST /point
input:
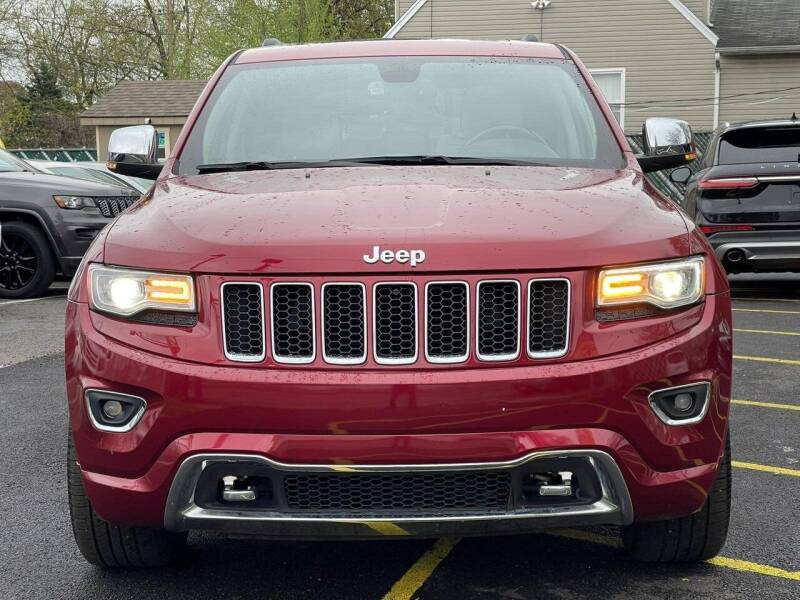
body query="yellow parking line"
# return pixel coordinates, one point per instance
(386, 528)
(751, 567)
(719, 561)
(768, 332)
(766, 468)
(420, 571)
(759, 310)
(778, 361)
(767, 404)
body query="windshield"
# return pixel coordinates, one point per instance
(531, 110)
(88, 175)
(11, 164)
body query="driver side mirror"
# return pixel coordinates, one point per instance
(681, 175)
(134, 151)
(667, 143)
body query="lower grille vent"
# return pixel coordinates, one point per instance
(391, 492)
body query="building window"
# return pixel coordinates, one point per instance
(612, 83)
(163, 143)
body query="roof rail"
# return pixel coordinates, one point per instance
(529, 37)
(271, 42)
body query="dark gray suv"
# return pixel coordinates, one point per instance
(746, 196)
(48, 222)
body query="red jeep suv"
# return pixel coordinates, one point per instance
(399, 289)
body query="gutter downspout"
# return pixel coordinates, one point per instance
(716, 88)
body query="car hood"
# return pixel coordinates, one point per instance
(58, 184)
(464, 218)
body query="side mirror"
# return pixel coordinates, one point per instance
(681, 175)
(133, 151)
(667, 143)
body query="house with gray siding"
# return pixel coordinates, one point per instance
(706, 61)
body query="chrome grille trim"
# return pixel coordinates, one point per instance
(497, 357)
(394, 361)
(293, 360)
(554, 353)
(443, 360)
(343, 361)
(537, 310)
(250, 358)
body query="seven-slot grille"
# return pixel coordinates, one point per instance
(111, 206)
(447, 315)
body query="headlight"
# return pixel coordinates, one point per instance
(124, 292)
(74, 202)
(666, 285)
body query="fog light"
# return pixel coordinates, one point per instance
(681, 405)
(684, 402)
(114, 412)
(112, 409)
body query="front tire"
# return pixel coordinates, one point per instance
(688, 539)
(27, 265)
(114, 546)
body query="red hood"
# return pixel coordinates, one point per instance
(463, 218)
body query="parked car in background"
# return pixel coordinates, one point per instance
(92, 171)
(399, 287)
(746, 197)
(48, 222)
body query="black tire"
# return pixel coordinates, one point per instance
(112, 546)
(689, 539)
(27, 265)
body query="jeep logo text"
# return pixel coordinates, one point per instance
(414, 257)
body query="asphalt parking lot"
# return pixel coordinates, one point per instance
(38, 558)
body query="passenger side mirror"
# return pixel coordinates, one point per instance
(667, 143)
(133, 151)
(681, 175)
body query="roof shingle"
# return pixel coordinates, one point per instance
(167, 98)
(756, 23)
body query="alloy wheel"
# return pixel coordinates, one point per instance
(18, 262)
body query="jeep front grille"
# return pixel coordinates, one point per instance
(391, 321)
(111, 206)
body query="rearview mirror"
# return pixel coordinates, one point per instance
(133, 151)
(667, 143)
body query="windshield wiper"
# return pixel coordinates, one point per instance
(420, 159)
(438, 159)
(262, 165)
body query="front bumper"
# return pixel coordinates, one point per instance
(397, 417)
(183, 512)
